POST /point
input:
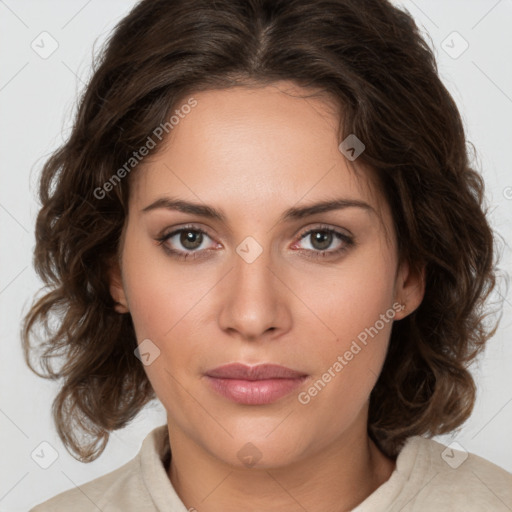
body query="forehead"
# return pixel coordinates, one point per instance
(253, 147)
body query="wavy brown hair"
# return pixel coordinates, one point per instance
(371, 60)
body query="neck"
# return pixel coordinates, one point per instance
(335, 479)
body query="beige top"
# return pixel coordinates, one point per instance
(428, 477)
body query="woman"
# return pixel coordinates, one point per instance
(265, 217)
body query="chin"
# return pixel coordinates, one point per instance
(258, 451)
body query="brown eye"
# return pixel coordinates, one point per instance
(191, 239)
(321, 240)
(186, 242)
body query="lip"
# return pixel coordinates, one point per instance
(254, 385)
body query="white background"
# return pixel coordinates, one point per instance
(36, 102)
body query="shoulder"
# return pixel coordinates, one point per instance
(449, 477)
(122, 489)
(94, 494)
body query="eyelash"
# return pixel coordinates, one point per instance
(347, 240)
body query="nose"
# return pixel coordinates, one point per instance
(255, 302)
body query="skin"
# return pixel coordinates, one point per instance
(253, 153)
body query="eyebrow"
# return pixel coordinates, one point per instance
(294, 213)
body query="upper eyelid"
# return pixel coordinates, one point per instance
(325, 227)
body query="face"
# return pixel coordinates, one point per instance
(265, 280)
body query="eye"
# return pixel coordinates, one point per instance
(322, 238)
(189, 240)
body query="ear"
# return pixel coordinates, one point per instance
(116, 288)
(409, 288)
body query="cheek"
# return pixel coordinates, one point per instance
(356, 309)
(164, 306)
(350, 296)
(347, 369)
(159, 295)
(161, 313)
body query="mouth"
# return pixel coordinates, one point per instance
(254, 385)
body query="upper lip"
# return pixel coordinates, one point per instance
(258, 372)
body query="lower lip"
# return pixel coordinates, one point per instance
(254, 392)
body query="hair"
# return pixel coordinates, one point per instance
(370, 59)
